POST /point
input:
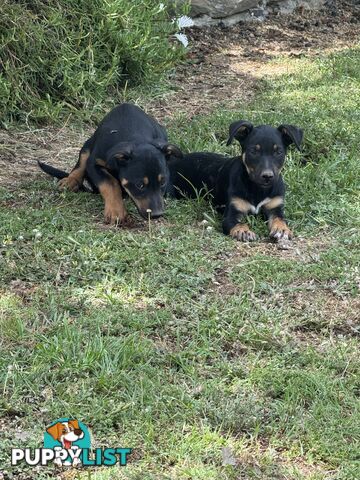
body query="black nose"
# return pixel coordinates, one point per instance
(267, 176)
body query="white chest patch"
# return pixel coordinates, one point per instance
(245, 207)
(256, 209)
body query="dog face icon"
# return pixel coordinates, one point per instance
(66, 432)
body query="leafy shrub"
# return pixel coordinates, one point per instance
(72, 54)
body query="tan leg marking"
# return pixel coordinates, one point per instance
(242, 232)
(279, 229)
(114, 212)
(76, 176)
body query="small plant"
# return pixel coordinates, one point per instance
(74, 54)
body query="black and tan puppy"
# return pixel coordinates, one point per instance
(128, 153)
(248, 184)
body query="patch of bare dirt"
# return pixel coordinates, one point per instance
(222, 69)
(318, 310)
(21, 150)
(303, 250)
(226, 62)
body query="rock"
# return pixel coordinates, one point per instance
(221, 8)
(230, 12)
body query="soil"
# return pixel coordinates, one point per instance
(223, 68)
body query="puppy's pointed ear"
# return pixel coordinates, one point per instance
(239, 130)
(291, 134)
(169, 150)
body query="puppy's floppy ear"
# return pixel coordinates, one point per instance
(55, 431)
(116, 156)
(291, 134)
(169, 149)
(239, 130)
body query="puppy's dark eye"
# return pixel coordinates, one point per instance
(162, 182)
(139, 185)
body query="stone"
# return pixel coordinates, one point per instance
(221, 8)
(230, 12)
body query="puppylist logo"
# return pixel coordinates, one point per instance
(67, 442)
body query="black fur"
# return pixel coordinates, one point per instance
(131, 148)
(242, 183)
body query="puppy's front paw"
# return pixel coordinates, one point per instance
(279, 230)
(114, 215)
(242, 233)
(69, 183)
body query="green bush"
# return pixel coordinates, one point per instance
(73, 54)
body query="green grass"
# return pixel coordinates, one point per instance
(179, 342)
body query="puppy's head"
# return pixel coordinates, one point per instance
(264, 149)
(143, 173)
(66, 432)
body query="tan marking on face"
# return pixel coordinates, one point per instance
(276, 147)
(257, 147)
(143, 204)
(124, 182)
(75, 178)
(114, 207)
(248, 169)
(100, 162)
(160, 178)
(146, 180)
(274, 203)
(241, 205)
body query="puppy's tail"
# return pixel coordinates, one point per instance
(60, 174)
(54, 172)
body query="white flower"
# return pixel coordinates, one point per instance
(182, 39)
(184, 21)
(161, 7)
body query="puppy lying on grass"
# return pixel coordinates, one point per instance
(248, 184)
(127, 154)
